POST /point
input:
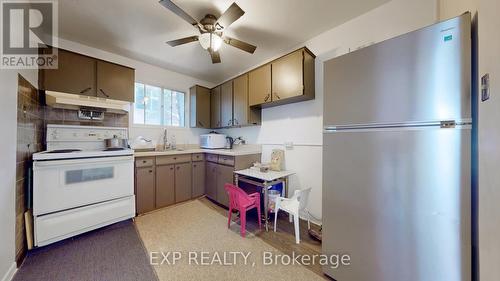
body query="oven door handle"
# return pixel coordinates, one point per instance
(78, 161)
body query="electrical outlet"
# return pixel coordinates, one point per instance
(485, 87)
(288, 145)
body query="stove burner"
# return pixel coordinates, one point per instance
(64, 150)
(114, 149)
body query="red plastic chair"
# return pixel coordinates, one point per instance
(241, 201)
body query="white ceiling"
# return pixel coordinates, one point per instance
(139, 29)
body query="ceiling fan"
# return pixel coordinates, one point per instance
(211, 30)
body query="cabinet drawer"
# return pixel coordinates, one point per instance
(226, 160)
(144, 162)
(198, 157)
(172, 159)
(212, 158)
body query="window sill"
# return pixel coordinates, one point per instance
(144, 126)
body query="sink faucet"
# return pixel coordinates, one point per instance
(166, 145)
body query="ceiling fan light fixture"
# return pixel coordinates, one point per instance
(210, 40)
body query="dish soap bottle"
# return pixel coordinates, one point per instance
(173, 143)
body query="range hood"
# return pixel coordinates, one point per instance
(71, 101)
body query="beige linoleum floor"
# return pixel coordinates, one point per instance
(195, 227)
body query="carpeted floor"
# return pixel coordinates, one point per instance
(194, 227)
(112, 253)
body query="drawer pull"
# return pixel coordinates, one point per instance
(150, 171)
(144, 161)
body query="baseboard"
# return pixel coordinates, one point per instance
(10, 273)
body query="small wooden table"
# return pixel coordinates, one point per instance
(266, 181)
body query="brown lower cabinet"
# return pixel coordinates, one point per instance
(224, 175)
(211, 180)
(183, 182)
(165, 180)
(165, 185)
(145, 189)
(220, 170)
(198, 169)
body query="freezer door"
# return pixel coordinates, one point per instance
(398, 202)
(421, 76)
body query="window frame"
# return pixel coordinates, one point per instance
(163, 88)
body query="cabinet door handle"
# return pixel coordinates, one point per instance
(104, 93)
(171, 168)
(150, 171)
(277, 96)
(267, 97)
(194, 165)
(201, 124)
(85, 90)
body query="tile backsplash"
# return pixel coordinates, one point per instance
(30, 138)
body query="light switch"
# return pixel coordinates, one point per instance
(485, 87)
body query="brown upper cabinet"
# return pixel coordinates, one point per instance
(83, 75)
(292, 80)
(215, 112)
(259, 85)
(239, 102)
(226, 101)
(115, 81)
(287, 80)
(199, 107)
(75, 75)
(243, 114)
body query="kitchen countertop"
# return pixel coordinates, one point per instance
(227, 152)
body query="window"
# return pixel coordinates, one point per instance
(158, 106)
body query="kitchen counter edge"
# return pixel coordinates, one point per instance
(199, 150)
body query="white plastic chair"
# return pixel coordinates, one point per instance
(293, 206)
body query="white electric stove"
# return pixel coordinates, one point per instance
(78, 185)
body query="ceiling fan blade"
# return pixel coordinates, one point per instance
(181, 41)
(215, 56)
(240, 44)
(178, 11)
(233, 13)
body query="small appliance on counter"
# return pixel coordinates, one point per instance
(213, 141)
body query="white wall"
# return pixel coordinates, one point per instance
(153, 75)
(489, 143)
(8, 143)
(452, 8)
(301, 123)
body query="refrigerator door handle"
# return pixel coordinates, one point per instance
(444, 124)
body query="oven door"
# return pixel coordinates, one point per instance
(64, 184)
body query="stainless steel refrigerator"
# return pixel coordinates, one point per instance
(397, 157)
